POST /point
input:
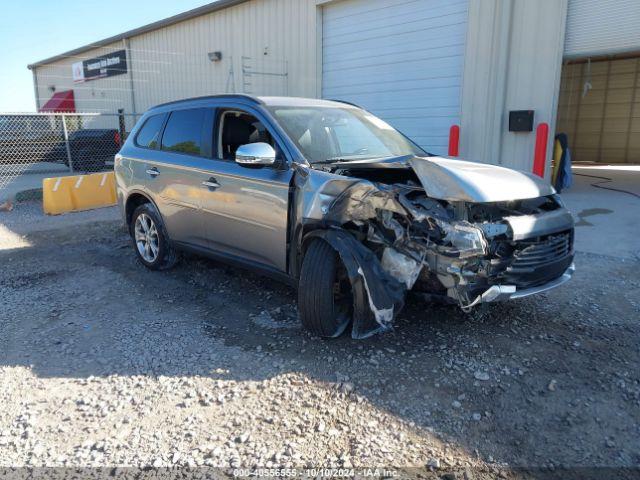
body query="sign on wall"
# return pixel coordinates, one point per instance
(108, 65)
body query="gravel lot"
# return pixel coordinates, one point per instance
(103, 363)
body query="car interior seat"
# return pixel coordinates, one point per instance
(236, 131)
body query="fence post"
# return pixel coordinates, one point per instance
(66, 142)
(121, 125)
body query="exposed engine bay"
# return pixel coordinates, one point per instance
(395, 237)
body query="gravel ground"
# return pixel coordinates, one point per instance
(104, 363)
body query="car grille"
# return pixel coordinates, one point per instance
(540, 260)
(540, 253)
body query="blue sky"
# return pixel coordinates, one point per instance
(32, 30)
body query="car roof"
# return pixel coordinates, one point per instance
(302, 102)
(266, 101)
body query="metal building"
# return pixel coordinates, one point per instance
(422, 65)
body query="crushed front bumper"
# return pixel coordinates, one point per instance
(499, 293)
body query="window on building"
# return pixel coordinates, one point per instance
(150, 132)
(183, 132)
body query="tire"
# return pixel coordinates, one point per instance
(160, 254)
(326, 300)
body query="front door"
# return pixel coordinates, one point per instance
(245, 208)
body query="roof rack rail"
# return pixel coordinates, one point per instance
(236, 96)
(346, 103)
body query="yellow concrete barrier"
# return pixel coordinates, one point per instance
(78, 192)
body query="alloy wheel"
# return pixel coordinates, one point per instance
(146, 237)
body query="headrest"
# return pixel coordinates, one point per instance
(236, 131)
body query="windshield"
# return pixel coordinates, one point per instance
(327, 134)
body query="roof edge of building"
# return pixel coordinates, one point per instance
(181, 17)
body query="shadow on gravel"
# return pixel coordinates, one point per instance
(551, 380)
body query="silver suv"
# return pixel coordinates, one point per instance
(332, 199)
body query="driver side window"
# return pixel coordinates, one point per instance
(237, 128)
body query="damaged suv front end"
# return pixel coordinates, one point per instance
(450, 230)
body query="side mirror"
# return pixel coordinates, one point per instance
(256, 154)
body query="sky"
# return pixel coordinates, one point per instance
(32, 30)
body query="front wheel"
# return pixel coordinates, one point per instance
(327, 301)
(150, 240)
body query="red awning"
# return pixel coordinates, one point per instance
(60, 102)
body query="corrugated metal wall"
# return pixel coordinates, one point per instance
(512, 62)
(268, 48)
(533, 75)
(598, 27)
(602, 122)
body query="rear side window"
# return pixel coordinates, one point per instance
(149, 134)
(183, 132)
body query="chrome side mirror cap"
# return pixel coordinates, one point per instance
(256, 154)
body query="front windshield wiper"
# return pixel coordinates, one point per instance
(332, 160)
(355, 159)
(347, 159)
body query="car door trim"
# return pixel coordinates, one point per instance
(243, 220)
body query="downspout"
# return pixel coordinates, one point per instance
(35, 88)
(564, 7)
(502, 68)
(127, 47)
(319, 48)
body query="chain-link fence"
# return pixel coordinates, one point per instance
(35, 146)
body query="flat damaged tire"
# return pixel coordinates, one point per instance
(150, 240)
(325, 299)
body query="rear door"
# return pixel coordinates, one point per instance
(245, 208)
(173, 172)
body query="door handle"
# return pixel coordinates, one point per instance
(211, 183)
(153, 172)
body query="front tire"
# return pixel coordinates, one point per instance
(327, 301)
(150, 240)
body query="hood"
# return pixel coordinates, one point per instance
(447, 179)
(459, 180)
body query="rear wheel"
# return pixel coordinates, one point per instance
(150, 240)
(325, 297)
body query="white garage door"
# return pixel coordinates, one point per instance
(599, 27)
(400, 59)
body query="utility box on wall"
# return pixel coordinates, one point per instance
(521, 121)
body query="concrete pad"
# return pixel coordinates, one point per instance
(607, 222)
(19, 178)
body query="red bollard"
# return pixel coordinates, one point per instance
(540, 153)
(454, 140)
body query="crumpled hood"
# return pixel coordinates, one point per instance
(459, 180)
(448, 179)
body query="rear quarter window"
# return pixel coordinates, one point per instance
(149, 134)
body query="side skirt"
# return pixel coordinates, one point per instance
(240, 262)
